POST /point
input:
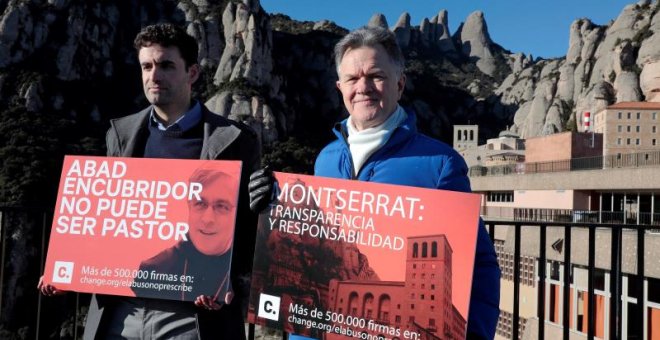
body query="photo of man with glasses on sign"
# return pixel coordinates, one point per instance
(200, 265)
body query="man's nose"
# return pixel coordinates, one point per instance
(156, 74)
(364, 85)
(208, 215)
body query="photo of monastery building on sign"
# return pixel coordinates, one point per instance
(421, 304)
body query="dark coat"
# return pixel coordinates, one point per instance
(183, 259)
(223, 139)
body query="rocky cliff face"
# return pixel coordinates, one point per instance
(602, 66)
(68, 66)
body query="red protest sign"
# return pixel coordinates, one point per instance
(158, 228)
(339, 258)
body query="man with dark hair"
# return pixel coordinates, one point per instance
(177, 126)
(379, 142)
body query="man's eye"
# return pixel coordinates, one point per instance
(221, 208)
(200, 205)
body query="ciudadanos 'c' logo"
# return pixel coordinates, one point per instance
(62, 272)
(269, 307)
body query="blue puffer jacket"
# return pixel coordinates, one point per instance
(413, 159)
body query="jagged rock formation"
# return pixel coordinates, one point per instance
(66, 67)
(378, 20)
(476, 43)
(247, 45)
(603, 65)
(246, 59)
(402, 30)
(441, 33)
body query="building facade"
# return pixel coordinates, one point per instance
(570, 177)
(422, 303)
(629, 127)
(465, 137)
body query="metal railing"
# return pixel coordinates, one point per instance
(569, 215)
(630, 160)
(23, 232)
(614, 312)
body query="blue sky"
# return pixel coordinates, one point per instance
(539, 27)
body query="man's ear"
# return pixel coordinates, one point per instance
(193, 73)
(337, 83)
(401, 84)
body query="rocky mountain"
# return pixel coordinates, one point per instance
(603, 65)
(68, 66)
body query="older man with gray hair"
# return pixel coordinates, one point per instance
(379, 142)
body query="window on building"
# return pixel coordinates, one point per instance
(424, 251)
(412, 306)
(459, 134)
(638, 115)
(500, 196)
(654, 115)
(397, 319)
(434, 249)
(619, 115)
(432, 287)
(637, 128)
(432, 297)
(618, 141)
(619, 128)
(653, 129)
(627, 141)
(629, 115)
(385, 316)
(421, 296)
(554, 270)
(628, 128)
(653, 142)
(637, 141)
(599, 279)
(415, 249)
(653, 289)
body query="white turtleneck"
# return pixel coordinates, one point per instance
(364, 143)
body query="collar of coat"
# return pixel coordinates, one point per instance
(219, 132)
